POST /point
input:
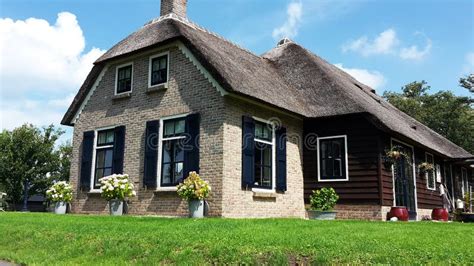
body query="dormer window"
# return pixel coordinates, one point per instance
(158, 70)
(124, 78)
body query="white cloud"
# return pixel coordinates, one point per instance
(469, 65)
(387, 42)
(290, 27)
(370, 78)
(413, 53)
(42, 66)
(384, 43)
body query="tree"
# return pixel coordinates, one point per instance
(450, 115)
(29, 160)
(467, 82)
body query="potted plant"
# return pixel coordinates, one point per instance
(115, 189)
(425, 167)
(60, 194)
(322, 202)
(194, 190)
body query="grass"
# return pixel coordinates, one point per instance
(45, 239)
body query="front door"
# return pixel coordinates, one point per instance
(404, 180)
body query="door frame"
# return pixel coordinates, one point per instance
(414, 174)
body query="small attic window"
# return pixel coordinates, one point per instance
(283, 42)
(124, 78)
(413, 127)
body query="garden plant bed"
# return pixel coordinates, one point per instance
(39, 238)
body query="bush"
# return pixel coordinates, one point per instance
(116, 187)
(60, 191)
(323, 199)
(194, 188)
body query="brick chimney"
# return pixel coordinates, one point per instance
(177, 7)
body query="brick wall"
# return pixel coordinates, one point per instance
(188, 91)
(359, 212)
(241, 203)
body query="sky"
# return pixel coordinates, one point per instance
(48, 47)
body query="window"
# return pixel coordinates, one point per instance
(104, 152)
(430, 175)
(124, 79)
(158, 70)
(172, 161)
(263, 159)
(465, 183)
(332, 159)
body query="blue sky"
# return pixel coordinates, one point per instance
(383, 43)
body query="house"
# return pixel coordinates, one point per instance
(265, 130)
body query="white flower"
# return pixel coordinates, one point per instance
(122, 186)
(134, 193)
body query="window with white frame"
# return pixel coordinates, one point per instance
(158, 69)
(104, 155)
(430, 175)
(172, 152)
(264, 142)
(332, 158)
(465, 183)
(124, 78)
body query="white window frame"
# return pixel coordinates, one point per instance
(94, 154)
(273, 144)
(439, 177)
(167, 53)
(116, 78)
(427, 154)
(160, 151)
(392, 140)
(345, 155)
(464, 181)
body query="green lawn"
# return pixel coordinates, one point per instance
(31, 238)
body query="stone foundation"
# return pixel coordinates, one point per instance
(358, 212)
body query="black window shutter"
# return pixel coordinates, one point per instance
(191, 149)
(86, 160)
(151, 153)
(281, 138)
(248, 151)
(119, 148)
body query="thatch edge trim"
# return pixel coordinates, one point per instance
(190, 56)
(89, 95)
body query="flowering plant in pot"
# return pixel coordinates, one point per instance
(426, 167)
(194, 190)
(115, 188)
(322, 202)
(60, 194)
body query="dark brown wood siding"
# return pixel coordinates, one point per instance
(363, 158)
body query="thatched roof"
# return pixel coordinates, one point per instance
(289, 77)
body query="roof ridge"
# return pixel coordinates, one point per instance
(196, 26)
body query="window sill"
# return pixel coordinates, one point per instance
(94, 192)
(166, 189)
(122, 96)
(157, 88)
(263, 193)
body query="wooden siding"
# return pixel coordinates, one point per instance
(363, 159)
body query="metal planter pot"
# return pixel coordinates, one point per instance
(321, 215)
(196, 208)
(116, 207)
(60, 207)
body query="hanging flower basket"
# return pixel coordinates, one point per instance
(425, 168)
(395, 154)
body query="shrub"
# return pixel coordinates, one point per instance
(194, 188)
(59, 191)
(116, 187)
(323, 199)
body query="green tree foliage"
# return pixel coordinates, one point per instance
(29, 154)
(450, 115)
(467, 82)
